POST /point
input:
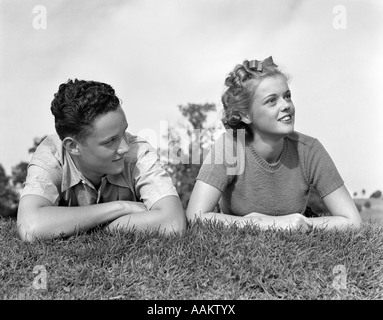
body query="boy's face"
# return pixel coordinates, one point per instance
(103, 150)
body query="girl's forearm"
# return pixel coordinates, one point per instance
(227, 219)
(334, 222)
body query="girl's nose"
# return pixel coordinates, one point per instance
(286, 108)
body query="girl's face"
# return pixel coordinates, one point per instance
(272, 112)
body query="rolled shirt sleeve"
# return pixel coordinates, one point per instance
(152, 182)
(42, 183)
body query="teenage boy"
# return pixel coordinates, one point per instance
(93, 172)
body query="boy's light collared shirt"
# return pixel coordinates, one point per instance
(53, 175)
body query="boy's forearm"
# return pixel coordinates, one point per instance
(167, 216)
(52, 221)
(149, 219)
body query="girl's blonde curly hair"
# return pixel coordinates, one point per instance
(241, 86)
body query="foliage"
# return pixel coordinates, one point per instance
(19, 173)
(209, 261)
(10, 186)
(8, 196)
(197, 114)
(377, 194)
(187, 144)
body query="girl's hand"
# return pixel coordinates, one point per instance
(292, 222)
(296, 221)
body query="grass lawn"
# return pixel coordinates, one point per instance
(207, 262)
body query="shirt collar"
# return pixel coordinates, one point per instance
(71, 176)
(118, 179)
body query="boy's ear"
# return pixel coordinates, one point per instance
(71, 145)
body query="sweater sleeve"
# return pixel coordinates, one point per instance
(225, 160)
(322, 172)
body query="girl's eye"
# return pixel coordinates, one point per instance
(272, 100)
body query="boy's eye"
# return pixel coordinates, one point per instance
(111, 141)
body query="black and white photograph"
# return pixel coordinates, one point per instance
(194, 154)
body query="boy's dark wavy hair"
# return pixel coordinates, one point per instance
(78, 103)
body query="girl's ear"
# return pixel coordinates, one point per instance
(71, 146)
(245, 120)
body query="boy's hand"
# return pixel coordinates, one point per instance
(134, 206)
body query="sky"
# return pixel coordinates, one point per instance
(159, 54)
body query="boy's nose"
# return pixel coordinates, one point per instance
(123, 147)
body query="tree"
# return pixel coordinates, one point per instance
(377, 194)
(187, 145)
(197, 114)
(10, 186)
(19, 171)
(8, 196)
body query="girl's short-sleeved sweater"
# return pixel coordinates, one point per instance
(250, 184)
